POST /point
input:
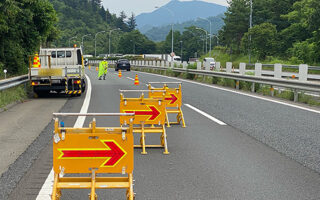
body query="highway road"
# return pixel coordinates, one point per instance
(236, 146)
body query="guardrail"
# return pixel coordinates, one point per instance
(300, 84)
(12, 82)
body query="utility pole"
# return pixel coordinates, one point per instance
(209, 31)
(181, 50)
(250, 34)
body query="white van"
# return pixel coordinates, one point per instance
(209, 63)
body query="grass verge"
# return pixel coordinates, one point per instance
(12, 95)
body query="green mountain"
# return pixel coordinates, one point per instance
(160, 33)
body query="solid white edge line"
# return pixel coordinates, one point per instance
(46, 189)
(206, 115)
(241, 93)
(130, 78)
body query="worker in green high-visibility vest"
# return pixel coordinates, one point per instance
(103, 69)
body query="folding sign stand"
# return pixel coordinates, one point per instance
(173, 98)
(149, 118)
(93, 150)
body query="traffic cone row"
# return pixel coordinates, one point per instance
(120, 74)
(136, 80)
(36, 61)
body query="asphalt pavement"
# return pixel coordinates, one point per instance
(207, 160)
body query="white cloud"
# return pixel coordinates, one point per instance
(140, 6)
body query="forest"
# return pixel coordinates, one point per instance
(286, 30)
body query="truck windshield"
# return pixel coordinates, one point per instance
(61, 54)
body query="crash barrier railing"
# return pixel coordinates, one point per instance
(93, 150)
(173, 99)
(296, 85)
(150, 117)
(13, 82)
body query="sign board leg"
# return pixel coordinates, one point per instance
(93, 195)
(182, 118)
(164, 140)
(130, 194)
(143, 140)
(55, 192)
(167, 119)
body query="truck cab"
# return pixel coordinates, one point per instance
(58, 70)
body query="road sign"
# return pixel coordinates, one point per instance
(93, 150)
(173, 96)
(148, 111)
(173, 99)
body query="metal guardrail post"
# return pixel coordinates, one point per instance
(278, 71)
(218, 66)
(258, 69)
(228, 67)
(242, 68)
(295, 95)
(303, 72)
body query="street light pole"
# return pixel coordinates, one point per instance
(206, 34)
(134, 47)
(82, 40)
(71, 39)
(95, 43)
(250, 28)
(181, 50)
(170, 11)
(110, 38)
(209, 30)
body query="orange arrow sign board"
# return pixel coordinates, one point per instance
(147, 110)
(81, 151)
(113, 153)
(153, 112)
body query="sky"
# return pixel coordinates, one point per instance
(141, 6)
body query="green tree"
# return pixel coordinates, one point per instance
(263, 41)
(24, 25)
(132, 22)
(236, 23)
(135, 41)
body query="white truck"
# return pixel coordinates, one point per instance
(60, 70)
(164, 57)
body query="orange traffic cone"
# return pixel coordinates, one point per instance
(36, 61)
(136, 80)
(97, 68)
(120, 74)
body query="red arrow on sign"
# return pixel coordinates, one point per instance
(153, 112)
(173, 98)
(113, 153)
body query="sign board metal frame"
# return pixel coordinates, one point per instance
(173, 98)
(93, 150)
(148, 111)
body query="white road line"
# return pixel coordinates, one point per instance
(206, 115)
(46, 189)
(130, 78)
(241, 93)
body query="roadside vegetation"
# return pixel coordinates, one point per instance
(13, 95)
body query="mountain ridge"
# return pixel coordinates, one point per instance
(159, 33)
(182, 11)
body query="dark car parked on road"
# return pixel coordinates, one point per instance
(123, 64)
